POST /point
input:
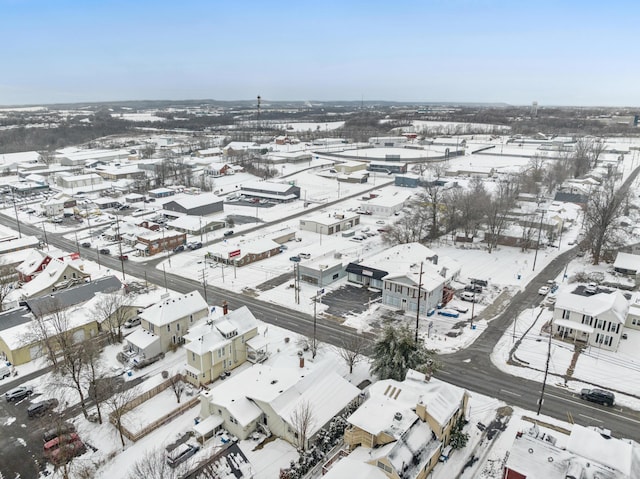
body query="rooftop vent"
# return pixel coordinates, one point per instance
(397, 416)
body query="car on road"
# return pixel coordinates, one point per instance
(130, 323)
(544, 290)
(40, 408)
(295, 259)
(181, 454)
(86, 244)
(194, 245)
(599, 396)
(178, 248)
(449, 313)
(228, 233)
(123, 257)
(16, 394)
(104, 251)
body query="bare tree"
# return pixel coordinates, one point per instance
(497, 211)
(118, 404)
(353, 349)
(153, 465)
(472, 205)
(111, 312)
(7, 282)
(97, 382)
(177, 386)
(413, 226)
(47, 156)
(302, 420)
(603, 210)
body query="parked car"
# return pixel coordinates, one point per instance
(473, 288)
(105, 251)
(469, 296)
(66, 451)
(599, 396)
(178, 248)
(194, 245)
(460, 309)
(5, 369)
(42, 407)
(16, 394)
(295, 259)
(228, 233)
(123, 257)
(304, 255)
(449, 313)
(130, 323)
(181, 454)
(64, 428)
(86, 245)
(544, 290)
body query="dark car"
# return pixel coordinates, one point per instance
(474, 288)
(105, 251)
(178, 248)
(41, 408)
(16, 394)
(123, 257)
(228, 233)
(295, 259)
(86, 245)
(64, 428)
(599, 396)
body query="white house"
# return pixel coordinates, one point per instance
(596, 319)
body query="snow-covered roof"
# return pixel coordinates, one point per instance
(404, 258)
(266, 185)
(331, 218)
(191, 223)
(627, 261)
(257, 246)
(348, 467)
(612, 306)
(388, 200)
(142, 339)
(33, 262)
(389, 397)
(194, 201)
(326, 392)
(413, 450)
(590, 444)
(210, 335)
(18, 243)
(51, 275)
(174, 308)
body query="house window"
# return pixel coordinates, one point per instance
(335, 276)
(191, 318)
(168, 327)
(565, 314)
(177, 326)
(193, 357)
(150, 328)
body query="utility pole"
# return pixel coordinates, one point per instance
(418, 308)
(546, 368)
(45, 235)
(15, 209)
(98, 250)
(164, 272)
(204, 286)
(119, 247)
(535, 257)
(77, 246)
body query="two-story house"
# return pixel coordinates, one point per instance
(165, 323)
(404, 426)
(596, 318)
(219, 345)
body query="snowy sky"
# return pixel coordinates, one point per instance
(568, 53)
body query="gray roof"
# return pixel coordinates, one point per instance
(72, 296)
(14, 317)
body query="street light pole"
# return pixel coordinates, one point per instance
(15, 209)
(418, 307)
(535, 257)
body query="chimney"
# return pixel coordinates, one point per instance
(302, 362)
(225, 308)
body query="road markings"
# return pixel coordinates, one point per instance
(510, 392)
(589, 417)
(600, 410)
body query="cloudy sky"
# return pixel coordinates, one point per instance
(517, 51)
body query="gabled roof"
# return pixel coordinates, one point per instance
(611, 306)
(172, 309)
(195, 201)
(210, 335)
(51, 275)
(72, 296)
(627, 261)
(32, 263)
